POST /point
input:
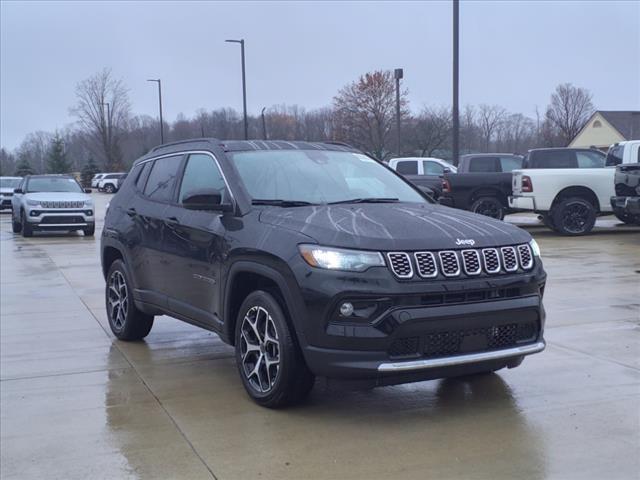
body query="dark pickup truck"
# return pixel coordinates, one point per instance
(626, 202)
(482, 184)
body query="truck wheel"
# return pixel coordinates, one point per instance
(126, 321)
(269, 360)
(27, 229)
(489, 207)
(574, 216)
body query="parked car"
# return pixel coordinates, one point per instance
(482, 184)
(623, 152)
(564, 158)
(626, 202)
(423, 171)
(51, 202)
(568, 199)
(110, 182)
(7, 185)
(96, 178)
(315, 259)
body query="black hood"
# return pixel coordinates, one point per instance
(394, 226)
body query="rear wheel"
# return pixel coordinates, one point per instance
(573, 216)
(27, 229)
(489, 207)
(109, 188)
(269, 360)
(126, 321)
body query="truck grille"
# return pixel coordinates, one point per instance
(452, 263)
(62, 204)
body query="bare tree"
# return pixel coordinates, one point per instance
(365, 112)
(569, 110)
(103, 112)
(431, 130)
(490, 118)
(516, 133)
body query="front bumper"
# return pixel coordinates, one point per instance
(629, 205)
(522, 203)
(60, 218)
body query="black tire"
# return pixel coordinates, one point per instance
(109, 188)
(90, 230)
(573, 216)
(27, 229)
(489, 207)
(291, 381)
(126, 321)
(16, 227)
(547, 219)
(627, 218)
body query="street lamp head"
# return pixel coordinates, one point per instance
(235, 41)
(398, 73)
(153, 80)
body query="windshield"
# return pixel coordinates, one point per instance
(316, 177)
(53, 184)
(9, 182)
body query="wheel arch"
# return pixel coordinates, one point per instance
(488, 192)
(577, 191)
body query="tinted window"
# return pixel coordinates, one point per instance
(143, 173)
(201, 173)
(614, 155)
(432, 168)
(408, 167)
(553, 159)
(508, 164)
(484, 164)
(162, 178)
(589, 160)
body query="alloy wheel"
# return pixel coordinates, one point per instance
(488, 209)
(118, 300)
(574, 217)
(259, 349)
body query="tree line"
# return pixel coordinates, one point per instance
(108, 137)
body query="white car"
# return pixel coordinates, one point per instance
(110, 182)
(96, 178)
(570, 199)
(421, 166)
(7, 185)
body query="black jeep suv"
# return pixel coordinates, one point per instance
(314, 259)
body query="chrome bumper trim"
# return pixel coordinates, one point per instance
(461, 359)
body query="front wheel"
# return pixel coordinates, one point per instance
(109, 188)
(489, 207)
(573, 216)
(16, 227)
(269, 360)
(126, 321)
(90, 230)
(27, 229)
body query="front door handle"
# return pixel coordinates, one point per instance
(132, 212)
(172, 221)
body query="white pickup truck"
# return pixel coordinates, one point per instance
(570, 199)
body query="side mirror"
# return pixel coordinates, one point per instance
(17, 190)
(447, 170)
(87, 190)
(206, 199)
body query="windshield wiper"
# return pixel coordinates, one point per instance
(281, 203)
(366, 200)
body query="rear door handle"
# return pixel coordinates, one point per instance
(172, 221)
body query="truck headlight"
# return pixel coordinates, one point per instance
(340, 258)
(535, 248)
(33, 203)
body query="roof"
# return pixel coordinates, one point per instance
(625, 122)
(244, 145)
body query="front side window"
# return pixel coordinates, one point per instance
(432, 168)
(201, 173)
(407, 167)
(162, 178)
(53, 184)
(318, 177)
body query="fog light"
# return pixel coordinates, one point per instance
(89, 213)
(346, 309)
(34, 213)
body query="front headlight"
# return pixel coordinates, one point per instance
(535, 248)
(33, 203)
(340, 258)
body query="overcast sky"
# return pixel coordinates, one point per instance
(512, 53)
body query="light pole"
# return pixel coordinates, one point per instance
(264, 124)
(456, 113)
(244, 87)
(398, 74)
(108, 119)
(160, 105)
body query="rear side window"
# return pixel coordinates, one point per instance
(407, 167)
(162, 178)
(201, 173)
(432, 168)
(553, 159)
(589, 160)
(508, 164)
(143, 174)
(484, 164)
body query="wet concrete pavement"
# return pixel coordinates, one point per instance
(76, 403)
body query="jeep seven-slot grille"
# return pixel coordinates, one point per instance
(453, 263)
(400, 264)
(62, 204)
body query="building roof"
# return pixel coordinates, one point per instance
(626, 122)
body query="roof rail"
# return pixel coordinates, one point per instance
(335, 142)
(180, 142)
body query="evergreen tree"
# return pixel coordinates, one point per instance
(88, 171)
(24, 168)
(57, 158)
